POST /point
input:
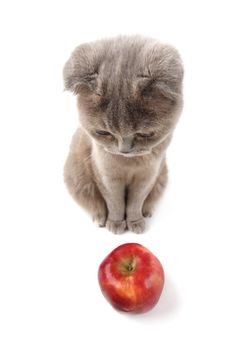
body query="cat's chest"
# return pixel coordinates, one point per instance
(126, 169)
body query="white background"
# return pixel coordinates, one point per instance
(49, 248)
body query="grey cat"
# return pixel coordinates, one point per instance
(129, 99)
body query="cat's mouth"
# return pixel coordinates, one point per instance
(129, 154)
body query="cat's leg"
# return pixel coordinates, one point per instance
(137, 192)
(141, 198)
(114, 195)
(156, 192)
(79, 179)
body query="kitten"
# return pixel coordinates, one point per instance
(129, 99)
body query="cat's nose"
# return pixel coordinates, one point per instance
(125, 145)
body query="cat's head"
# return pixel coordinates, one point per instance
(129, 92)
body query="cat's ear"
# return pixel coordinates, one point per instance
(81, 70)
(151, 88)
(163, 73)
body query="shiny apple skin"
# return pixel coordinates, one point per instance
(131, 278)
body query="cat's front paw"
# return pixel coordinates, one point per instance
(137, 226)
(116, 226)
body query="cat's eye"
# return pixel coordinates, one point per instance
(102, 133)
(150, 134)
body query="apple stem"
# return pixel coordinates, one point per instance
(130, 267)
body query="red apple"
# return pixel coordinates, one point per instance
(131, 278)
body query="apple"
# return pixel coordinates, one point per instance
(131, 278)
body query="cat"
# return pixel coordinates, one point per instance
(129, 92)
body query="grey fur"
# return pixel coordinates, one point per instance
(131, 88)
